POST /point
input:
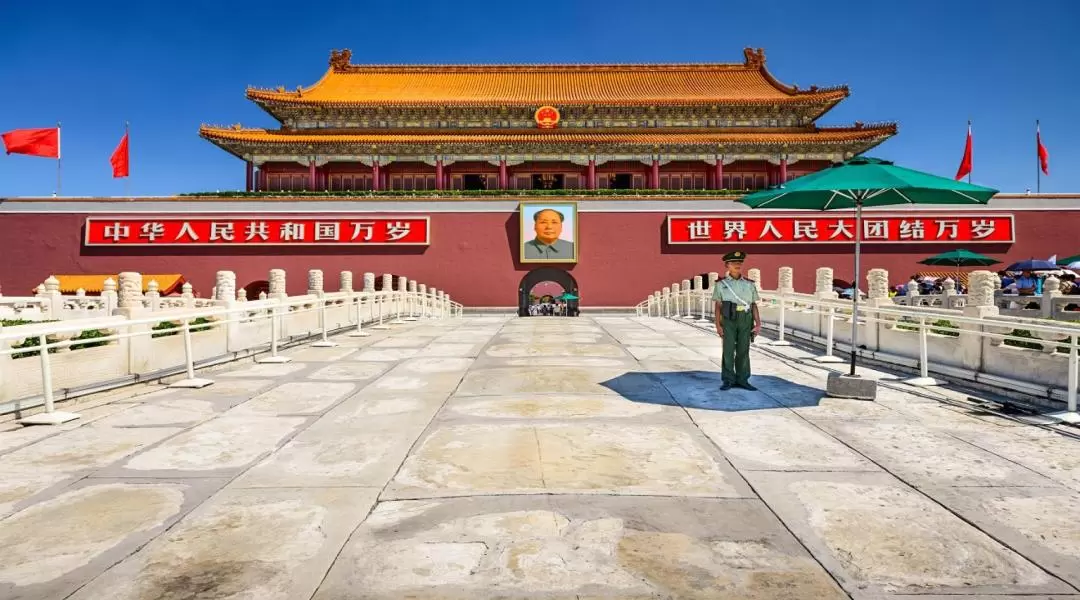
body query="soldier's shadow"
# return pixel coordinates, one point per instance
(701, 390)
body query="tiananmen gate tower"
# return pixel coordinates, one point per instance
(522, 127)
(609, 180)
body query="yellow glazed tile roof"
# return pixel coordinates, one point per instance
(566, 136)
(345, 84)
(94, 284)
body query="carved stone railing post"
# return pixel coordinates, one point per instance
(1051, 289)
(912, 287)
(346, 281)
(980, 305)
(369, 282)
(688, 295)
(823, 283)
(666, 295)
(109, 298)
(786, 281)
(153, 295)
(277, 284)
(315, 283)
(55, 299)
(676, 298)
(187, 295)
(225, 286)
(877, 281)
(948, 287)
(753, 275)
(131, 296)
(241, 295)
(411, 301)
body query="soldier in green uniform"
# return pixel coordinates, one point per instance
(737, 320)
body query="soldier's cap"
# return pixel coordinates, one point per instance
(736, 256)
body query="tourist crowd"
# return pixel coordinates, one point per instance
(551, 309)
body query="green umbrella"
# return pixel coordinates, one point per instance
(959, 258)
(568, 296)
(1068, 261)
(864, 181)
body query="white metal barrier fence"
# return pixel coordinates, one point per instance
(36, 360)
(1034, 355)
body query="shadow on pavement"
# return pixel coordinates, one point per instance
(701, 390)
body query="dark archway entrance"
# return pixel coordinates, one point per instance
(540, 275)
(255, 288)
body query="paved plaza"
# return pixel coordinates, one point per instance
(492, 457)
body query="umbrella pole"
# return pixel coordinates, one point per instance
(855, 284)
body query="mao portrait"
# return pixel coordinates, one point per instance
(549, 232)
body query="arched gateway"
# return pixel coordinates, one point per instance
(540, 275)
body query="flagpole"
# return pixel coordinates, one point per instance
(973, 161)
(127, 179)
(1038, 161)
(59, 155)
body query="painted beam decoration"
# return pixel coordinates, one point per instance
(252, 230)
(823, 228)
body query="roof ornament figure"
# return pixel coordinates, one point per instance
(755, 59)
(339, 59)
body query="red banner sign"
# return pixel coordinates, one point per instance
(811, 228)
(287, 230)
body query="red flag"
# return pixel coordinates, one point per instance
(965, 164)
(1044, 156)
(35, 142)
(119, 158)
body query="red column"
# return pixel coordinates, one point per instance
(718, 173)
(250, 168)
(438, 174)
(311, 185)
(591, 177)
(783, 171)
(502, 174)
(375, 181)
(260, 181)
(655, 174)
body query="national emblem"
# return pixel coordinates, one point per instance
(547, 117)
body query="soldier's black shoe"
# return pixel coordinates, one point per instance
(725, 386)
(747, 386)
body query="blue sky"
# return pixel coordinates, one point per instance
(168, 66)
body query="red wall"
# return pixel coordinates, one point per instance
(472, 256)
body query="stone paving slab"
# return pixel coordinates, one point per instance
(554, 406)
(1040, 523)
(876, 535)
(924, 456)
(497, 457)
(265, 544)
(574, 547)
(55, 546)
(767, 440)
(522, 459)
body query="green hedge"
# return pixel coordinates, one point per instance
(89, 334)
(939, 327)
(198, 324)
(466, 193)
